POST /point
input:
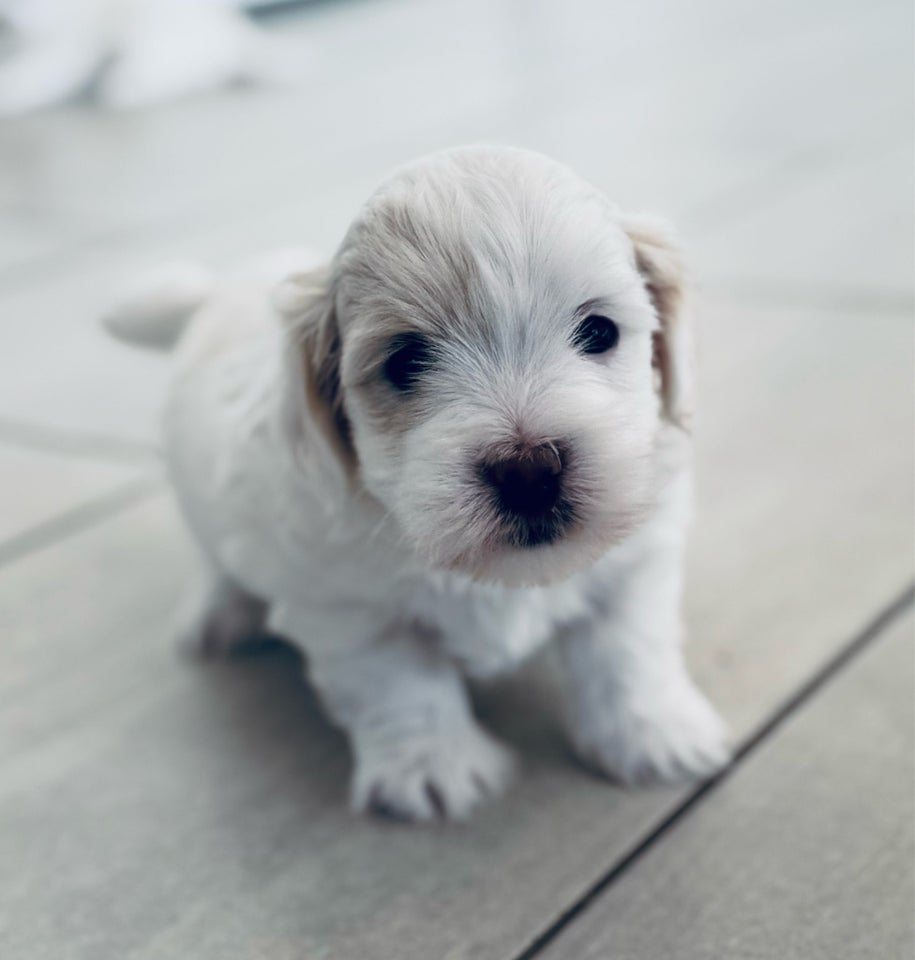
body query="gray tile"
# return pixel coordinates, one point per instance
(804, 460)
(726, 90)
(805, 853)
(28, 235)
(847, 235)
(36, 486)
(61, 370)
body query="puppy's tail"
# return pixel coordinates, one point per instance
(155, 309)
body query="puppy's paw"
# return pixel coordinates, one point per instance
(423, 778)
(668, 735)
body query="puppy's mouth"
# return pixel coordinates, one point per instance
(524, 532)
(509, 537)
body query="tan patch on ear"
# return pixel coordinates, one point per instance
(659, 261)
(660, 362)
(306, 304)
(324, 396)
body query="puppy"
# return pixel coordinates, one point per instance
(465, 438)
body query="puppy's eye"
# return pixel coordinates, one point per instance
(410, 356)
(596, 334)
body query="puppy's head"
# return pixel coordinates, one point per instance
(492, 352)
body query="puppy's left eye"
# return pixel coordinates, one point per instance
(596, 334)
(409, 358)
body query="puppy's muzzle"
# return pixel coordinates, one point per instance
(528, 493)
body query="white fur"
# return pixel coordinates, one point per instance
(155, 307)
(377, 549)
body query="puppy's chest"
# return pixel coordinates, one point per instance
(488, 629)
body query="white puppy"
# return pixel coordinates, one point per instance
(463, 439)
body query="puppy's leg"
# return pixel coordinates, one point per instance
(633, 712)
(418, 752)
(217, 616)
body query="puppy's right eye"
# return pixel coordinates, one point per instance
(596, 334)
(410, 356)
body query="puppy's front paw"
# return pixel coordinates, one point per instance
(666, 735)
(438, 776)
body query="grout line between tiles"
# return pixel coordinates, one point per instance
(78, 518)
(90, 446)
(898, 606)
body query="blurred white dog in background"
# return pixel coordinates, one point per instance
(134, 53)
(465, 438)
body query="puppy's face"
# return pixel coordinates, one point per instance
(494, 344)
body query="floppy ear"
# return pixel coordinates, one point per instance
(658, 260)
(306, 303)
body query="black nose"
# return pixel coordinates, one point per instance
(528, 483)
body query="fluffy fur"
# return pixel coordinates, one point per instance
(357, 520)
